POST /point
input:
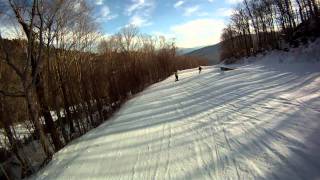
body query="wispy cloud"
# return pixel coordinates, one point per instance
(105, 11)
(105, 14)
(191, 10)
(140, 12)
(139, 21)
(178, 4)
(139, 5)
(99, 2)
(224, 12)
(233, 1)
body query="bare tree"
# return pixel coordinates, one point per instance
(260, 25)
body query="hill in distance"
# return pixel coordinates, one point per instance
(183, 51)
(211, 53)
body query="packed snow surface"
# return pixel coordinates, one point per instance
(260, 121)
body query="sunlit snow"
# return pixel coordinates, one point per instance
(261, 120)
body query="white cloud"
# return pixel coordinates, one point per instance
(139, 21)
(99, 2)
(191, 10)
(211, 1)
(140, 12)
(105, 11)
(225, 12)
(178, 4)
(140, 5)
(233, 1)
(200, 32)
(105, 14)
(136, 4)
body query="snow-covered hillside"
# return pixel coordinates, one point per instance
(260, 121)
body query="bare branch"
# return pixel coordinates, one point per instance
(12, 94)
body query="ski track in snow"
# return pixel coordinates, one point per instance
(250, 123)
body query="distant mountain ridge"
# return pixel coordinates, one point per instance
(211, 53)
(183, 51)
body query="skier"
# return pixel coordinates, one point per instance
(176, 75)
(200, 68)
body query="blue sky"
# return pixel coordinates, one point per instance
(192, 23)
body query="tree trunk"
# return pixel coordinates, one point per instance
(33, 112)
(45, 111)
(67, 107)
(300, 11)
(62, 122)
(100, 109)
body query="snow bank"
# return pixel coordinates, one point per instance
(303, 59)
(260, 121)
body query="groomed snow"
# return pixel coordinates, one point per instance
(260, 121)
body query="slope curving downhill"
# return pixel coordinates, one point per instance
(251, 123)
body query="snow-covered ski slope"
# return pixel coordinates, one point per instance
(260, 121)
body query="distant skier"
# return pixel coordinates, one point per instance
(200, 69)
(176, 75)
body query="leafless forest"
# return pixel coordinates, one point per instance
(59, 78)
(259, 25)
